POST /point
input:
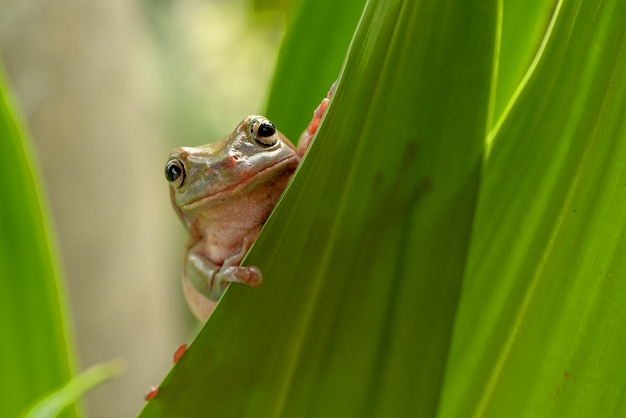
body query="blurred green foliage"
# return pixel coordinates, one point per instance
(35, 351)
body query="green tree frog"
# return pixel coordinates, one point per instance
(224, 192)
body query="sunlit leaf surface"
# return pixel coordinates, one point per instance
(524, 23)
(541, 325)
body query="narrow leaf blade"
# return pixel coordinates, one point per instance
(34, 356)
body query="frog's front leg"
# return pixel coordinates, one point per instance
(211, 279)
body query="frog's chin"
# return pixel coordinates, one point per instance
(279, 167)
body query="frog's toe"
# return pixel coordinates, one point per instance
(317, 116)
(253, 277)
(249, 275)
(319, 111)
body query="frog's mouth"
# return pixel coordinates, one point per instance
(235, 188)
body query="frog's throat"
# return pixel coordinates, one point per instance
(239, 186)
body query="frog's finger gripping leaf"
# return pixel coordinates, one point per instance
(318, 113)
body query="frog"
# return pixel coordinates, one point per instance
(223, 192)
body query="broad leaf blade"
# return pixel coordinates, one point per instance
(34, 351)
(364, 256)
(540, 330)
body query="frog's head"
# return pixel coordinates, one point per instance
(254, 154)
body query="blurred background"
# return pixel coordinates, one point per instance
(107, 88)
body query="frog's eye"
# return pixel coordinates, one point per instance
(264, 132)
(175, 172)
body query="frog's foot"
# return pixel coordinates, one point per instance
(320, 110)
(153, 390)
(249, 275)
(179, 352)
(232, 272)
(203, 291)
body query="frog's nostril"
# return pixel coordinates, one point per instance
(232, 160)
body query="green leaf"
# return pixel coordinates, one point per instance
(364, 256)
(53, 404)
(540, 328)
(34, 353)
(524, 23)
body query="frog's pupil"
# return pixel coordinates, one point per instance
(173, 171)
(266, 129)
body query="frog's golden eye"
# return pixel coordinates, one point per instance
(264, 132)
(175, 172)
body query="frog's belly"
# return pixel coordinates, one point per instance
(223, 243)
(226, 228)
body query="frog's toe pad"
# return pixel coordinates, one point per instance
(249, 275)
(317, 117)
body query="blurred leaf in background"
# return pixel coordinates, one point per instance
(35, 356)
(215, 59)
(52, 404)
